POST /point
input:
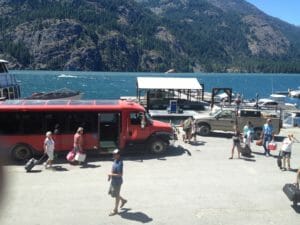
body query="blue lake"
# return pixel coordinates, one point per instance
(112, 85)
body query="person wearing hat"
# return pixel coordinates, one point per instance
(286, 149)
(267, 136)
(116, 178)
(49, 146)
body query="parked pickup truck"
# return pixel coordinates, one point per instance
(225, 119)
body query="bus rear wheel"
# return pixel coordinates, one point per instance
(157, 146)
(21, 152)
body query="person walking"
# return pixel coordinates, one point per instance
(236, 142)
(286, 149)
(78, 146)
(267, 136)
(194, 130)
(116, 178)
(49, 146)
(248, 133)
(78, 140)
(187, 128)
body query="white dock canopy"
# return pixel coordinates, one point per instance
(175, 83)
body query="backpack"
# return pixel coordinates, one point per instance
(187, 124)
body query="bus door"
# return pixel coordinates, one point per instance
(108, 131)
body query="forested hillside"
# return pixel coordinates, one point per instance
(146, 35)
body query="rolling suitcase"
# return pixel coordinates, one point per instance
(32, 162)
(292, 192)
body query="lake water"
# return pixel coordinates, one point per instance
(112, 85)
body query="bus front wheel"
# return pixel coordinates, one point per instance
(21, 152)
(157, 146)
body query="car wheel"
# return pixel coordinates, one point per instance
(21, 152)
(204, 130)
(157, 146)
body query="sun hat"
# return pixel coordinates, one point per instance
(116, 151)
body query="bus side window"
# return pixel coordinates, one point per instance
(55, 122)
(10, 123)
(135, 118)
(32, 123)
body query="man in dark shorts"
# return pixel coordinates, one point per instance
(116, 181)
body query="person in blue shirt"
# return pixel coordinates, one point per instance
(116, 178)
(267, 136)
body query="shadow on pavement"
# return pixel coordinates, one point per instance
(34, 171)
(135, 216)
(248, 159)
(296, 208)
(89, 165)
(197, 143)
(258, 153)
(59, 168)
(221, 134)
(172, 151)
(138, 154)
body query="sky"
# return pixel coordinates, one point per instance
(286, 10)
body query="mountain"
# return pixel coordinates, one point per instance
(146, 35)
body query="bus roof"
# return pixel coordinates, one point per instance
(68, 105)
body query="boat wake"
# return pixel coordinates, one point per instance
(66, 76)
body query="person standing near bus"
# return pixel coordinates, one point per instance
(78, 140)
(49, 146)
(78, 145)
(267, 136)
(116, 178)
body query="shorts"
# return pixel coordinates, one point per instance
(286, 154)
(50, 155)
(114, 190)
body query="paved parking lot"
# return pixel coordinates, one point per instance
(191, 184)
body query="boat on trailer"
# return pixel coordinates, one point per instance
(9, 87)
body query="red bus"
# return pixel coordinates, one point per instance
(108, 124)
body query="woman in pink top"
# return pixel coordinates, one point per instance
(78, 140)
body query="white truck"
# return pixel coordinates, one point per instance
(226, 119)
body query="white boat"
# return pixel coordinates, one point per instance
(9, 88)
(60, 94)
(294, 94)
(171, 71)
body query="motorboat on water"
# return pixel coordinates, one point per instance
(294, 94)
(61, 94)
(9, 87)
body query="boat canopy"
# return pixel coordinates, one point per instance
(159, 92)
(168, 83)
